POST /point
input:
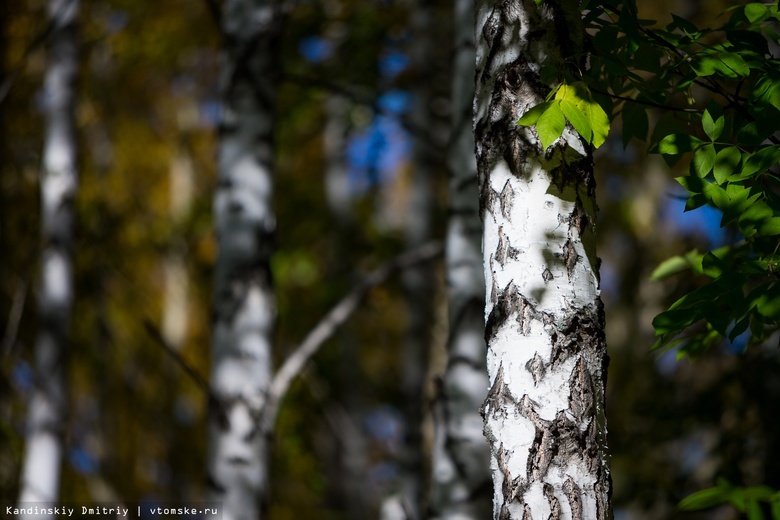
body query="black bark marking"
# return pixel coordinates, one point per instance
(581, 398)
(537, 368)
(552, 500)
(574, 496)
(506, 198)
(502, 248)
(582, 331)
(570, 257)
(547, 275)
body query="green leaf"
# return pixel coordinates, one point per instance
(706, 498)
(669, 267)
(705, 65)
(676, 144)
(756, 12)
(704, 160)
(713, 126)
(585, 115)
(550, 125)
(635, 122)
(761, 160)
(674, 320)
(735, 63)
(767, 90)
(750, 219)
(574, 107)
(726, 163)
(532, 116)
(717, 195)
(776, 509)
(769, 227)
(713, 266)
(754, 511)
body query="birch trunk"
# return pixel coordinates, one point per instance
(244, 305)
(461, 471)
(40, 479)
(547, 359)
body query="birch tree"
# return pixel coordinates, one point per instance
(244, 306)
(40, 478)
(544, 413)
(460, 468)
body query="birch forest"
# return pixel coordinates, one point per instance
(390, 259)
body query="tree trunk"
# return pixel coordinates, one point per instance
(544, 414)
(417, 281)
(244, 305)
(40, 480)
(460, 472)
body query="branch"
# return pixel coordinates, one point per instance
(39, 40)
(647, 103)
(325, 329)
(362, 99)
(155, 333)
(14, 317)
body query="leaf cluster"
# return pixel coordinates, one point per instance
(723, 87)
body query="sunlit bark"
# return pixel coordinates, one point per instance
(40, 478)
(544, 414)
(244, 309)
(460, 471)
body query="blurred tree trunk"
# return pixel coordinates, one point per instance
(244, 309)
(349, 468)
(418, 281)
(461, 470)
(547, 359)
(40, 479)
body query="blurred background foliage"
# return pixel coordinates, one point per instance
(146, 114)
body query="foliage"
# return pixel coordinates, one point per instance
(746, 499)
(723, 88)
(573, 103)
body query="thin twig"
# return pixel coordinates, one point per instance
(155, 333)
(363, 99)
(325, 329)
(647, 103)
(39, 40)
(14, 317)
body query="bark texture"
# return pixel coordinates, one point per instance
(544, 414)
(40, 479)
(244, 305)
(461, 471)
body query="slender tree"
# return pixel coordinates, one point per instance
(460, 469)
(244, 308)
(418, 281)
(40, 479)
(544, 414)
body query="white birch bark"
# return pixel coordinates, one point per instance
(544, 414)
(244, 305)
(40, 478)
(461, 470)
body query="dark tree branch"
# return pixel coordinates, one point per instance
(360, 98)
(14, 317)
(646, 103)
(39, 40)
